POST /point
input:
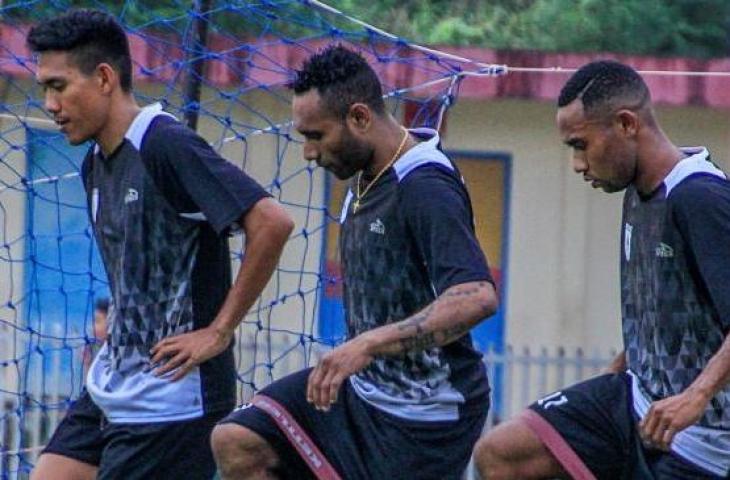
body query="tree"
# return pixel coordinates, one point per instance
(693, 28)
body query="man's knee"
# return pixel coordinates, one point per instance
(239, 451)
(490, 458)
(512, 450)
(60, 467)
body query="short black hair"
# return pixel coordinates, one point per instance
(342, 77)
(605, 85)
(91, 37)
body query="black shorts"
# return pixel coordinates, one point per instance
(129, 451)
(362, 442)
(592, 425)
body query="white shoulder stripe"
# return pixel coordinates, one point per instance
(424, 153)
(141, 123)
(696, 163)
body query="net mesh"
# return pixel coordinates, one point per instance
(239, 56)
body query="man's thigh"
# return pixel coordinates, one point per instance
(59, 467)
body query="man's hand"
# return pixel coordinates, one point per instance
(184, 352)
(670, 416)
(334, 368)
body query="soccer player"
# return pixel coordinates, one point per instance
(162, 204)
(664, 411)
(406, 396)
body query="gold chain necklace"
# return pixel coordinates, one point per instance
(359, 196)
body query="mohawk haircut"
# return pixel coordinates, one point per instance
(90, 37)
(604, 86)
(342, 77)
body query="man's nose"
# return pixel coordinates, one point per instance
(579, 164)
(311, 153)
(51, 103)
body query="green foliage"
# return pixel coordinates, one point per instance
(658, 27)
(693, 28)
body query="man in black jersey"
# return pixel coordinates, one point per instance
(405, 397)
(664, 411)
(162, 204)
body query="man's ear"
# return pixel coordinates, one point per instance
(106, 77)
(627, 121)
(359, 117)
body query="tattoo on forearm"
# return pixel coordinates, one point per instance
(417, 320)
(421, 341)
(463, 292)
(424, 340)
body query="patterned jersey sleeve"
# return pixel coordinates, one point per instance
(194, 178)
(701, 209)
(438, 214)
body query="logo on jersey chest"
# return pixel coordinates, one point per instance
(377, 227)
(664, 251)
(131, 196)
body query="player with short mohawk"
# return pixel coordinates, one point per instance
(406, 396)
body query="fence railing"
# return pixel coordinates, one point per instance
(518, 377)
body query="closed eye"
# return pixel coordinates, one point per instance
(576, 144)
(311, 134)
(56, 85)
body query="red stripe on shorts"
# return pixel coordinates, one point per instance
(557, 445)
(307, 449)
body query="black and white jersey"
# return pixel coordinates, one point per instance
(412, 238)
(675, 291)
(162, 205)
